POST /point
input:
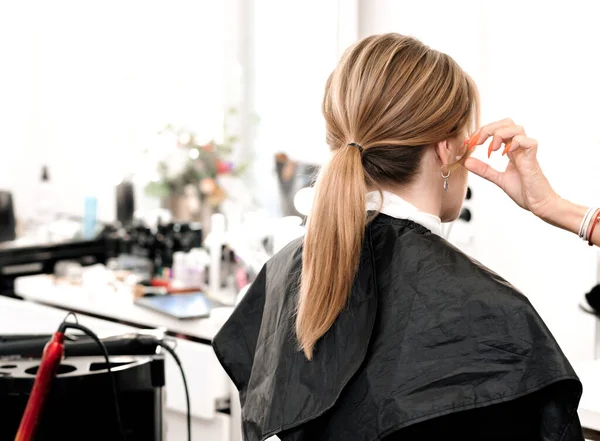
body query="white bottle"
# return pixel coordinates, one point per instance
(196, 263)
(179, 269)
(214, 242)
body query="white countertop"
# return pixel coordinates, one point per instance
(22, 317)
(114, 305)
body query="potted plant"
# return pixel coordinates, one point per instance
(187, 179)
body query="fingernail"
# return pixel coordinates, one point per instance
(506, 149)
(490, 151)
(473, 141)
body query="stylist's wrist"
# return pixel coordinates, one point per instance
(563, 214)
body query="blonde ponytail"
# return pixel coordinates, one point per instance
(332, 245)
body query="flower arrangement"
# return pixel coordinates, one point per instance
(194, 165)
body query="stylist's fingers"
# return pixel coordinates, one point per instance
(504, 135)
(482, 169)
(484, 132)
(528, 145)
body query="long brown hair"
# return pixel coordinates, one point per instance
(395, 97)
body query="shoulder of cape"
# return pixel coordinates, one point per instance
(428, 251)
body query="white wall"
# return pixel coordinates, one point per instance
(538, 63)
(84, 87)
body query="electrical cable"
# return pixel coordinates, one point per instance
(69, 325)
(170, 350)
(71, 314)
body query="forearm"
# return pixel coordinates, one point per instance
(568, 216)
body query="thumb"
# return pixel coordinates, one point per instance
(482, 169)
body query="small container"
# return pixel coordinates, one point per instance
(196, 262)
(215, 242)
(89, 218)
(179, 267)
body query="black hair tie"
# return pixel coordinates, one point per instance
(358, 146)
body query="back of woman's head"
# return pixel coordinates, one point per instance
(394, 97)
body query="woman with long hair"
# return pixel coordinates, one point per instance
(373, 326)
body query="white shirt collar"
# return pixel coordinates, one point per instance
(394, 206)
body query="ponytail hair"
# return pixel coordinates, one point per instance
(395, 97)
(332, 245)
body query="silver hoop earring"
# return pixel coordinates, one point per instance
(445, 177)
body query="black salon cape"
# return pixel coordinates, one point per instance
(427, 332)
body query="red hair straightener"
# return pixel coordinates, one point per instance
(51, 358)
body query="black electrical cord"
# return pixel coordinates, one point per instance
(66, 325)
(69, 325)
(71, 314)
(171, 351)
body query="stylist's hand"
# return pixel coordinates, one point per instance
(523, 179)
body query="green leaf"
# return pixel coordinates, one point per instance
(158, 189)
(241, 168)
(224, 150)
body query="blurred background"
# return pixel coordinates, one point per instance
(133, 118)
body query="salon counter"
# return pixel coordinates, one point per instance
(107, 303)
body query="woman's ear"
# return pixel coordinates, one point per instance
(443, 151)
